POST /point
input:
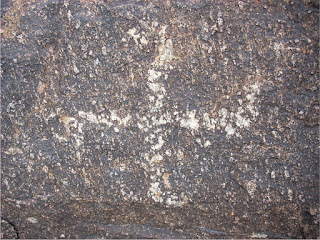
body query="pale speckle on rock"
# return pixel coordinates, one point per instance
(207, 144)
(223, 113)
(251, 187)
(134, 35)
(32, 220)
(156, 158)
(104, 50)
(143, 40)
(76, 69)
(230, 130)
(190, 121)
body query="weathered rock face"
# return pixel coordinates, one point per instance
(160, 119)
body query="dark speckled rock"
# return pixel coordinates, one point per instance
(160, 119)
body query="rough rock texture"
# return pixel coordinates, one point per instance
(160, 119)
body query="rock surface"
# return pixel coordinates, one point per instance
(160, 119)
